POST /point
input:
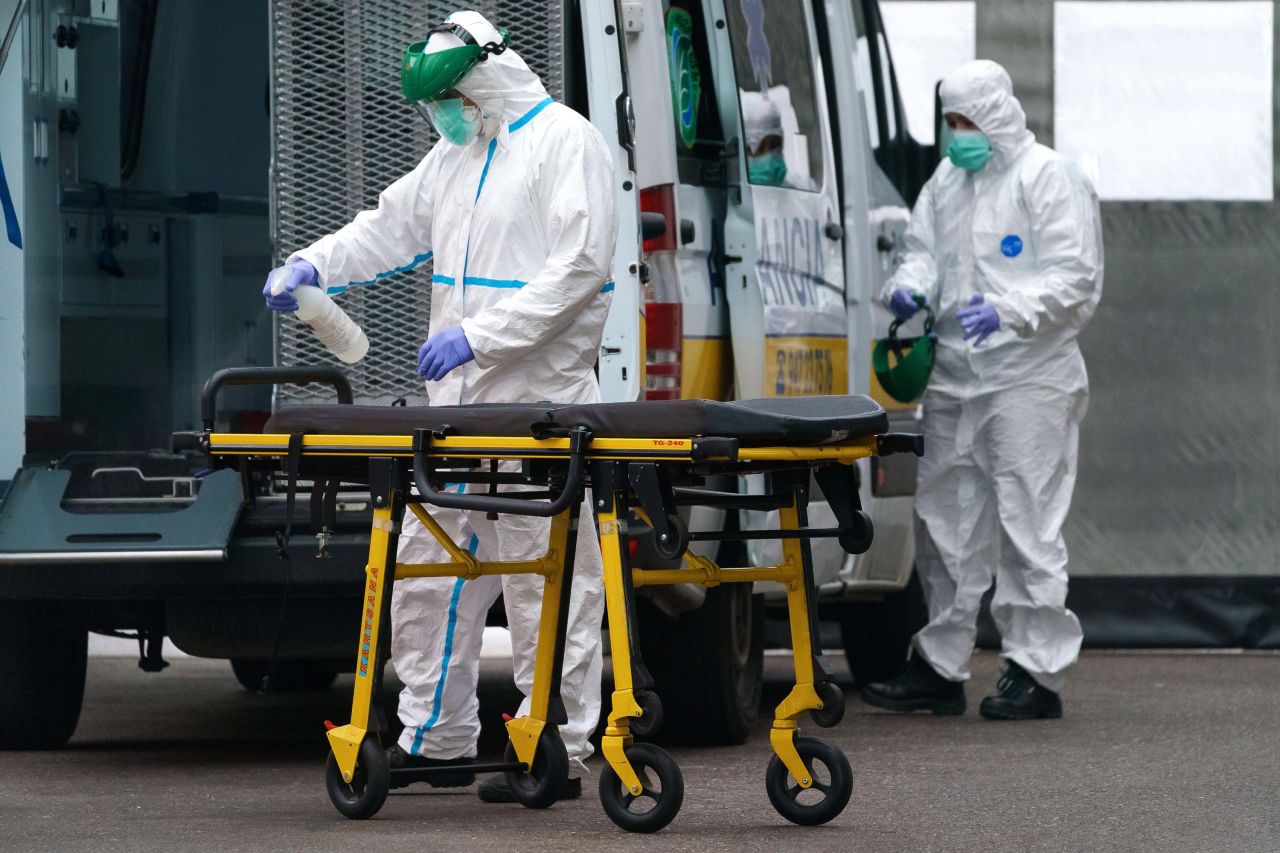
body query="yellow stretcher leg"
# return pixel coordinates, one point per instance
(803, 697)
(345, 740)
(525, 731)
(617, 735)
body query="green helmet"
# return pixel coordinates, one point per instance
(426, 76)
(905, 381)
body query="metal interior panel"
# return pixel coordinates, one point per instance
(341, 132)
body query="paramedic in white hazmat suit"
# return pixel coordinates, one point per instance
(1005, 244)
(514, 207)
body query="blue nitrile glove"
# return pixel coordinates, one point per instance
(904, 304)
(443, 351)
(282, 281)
(979, 319)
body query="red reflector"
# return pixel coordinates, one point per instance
(506, 718)
(660, 199)
(634, 547)
(328, 726)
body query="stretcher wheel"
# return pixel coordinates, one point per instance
(543, 784)
(858, 541)
(663, 791)
(832, 711)
(646, 725)
(832, 784)
(677, 541)
(360, 798)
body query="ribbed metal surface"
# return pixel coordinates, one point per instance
(341, 133)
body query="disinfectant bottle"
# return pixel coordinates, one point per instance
(338, 332)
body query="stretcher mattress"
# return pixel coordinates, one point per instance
(775, 420)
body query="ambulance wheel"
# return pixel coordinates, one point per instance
(542, 785)
(659, 802)
(360, 798)
(829, 794)
(651, 720)
(832, 711)
(676, 542)
(291, 676)
(43, 655)
(859, 540)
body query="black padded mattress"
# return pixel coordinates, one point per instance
(774, 420)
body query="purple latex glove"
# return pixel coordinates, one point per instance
(979, 319)
(904, 304)
(443, 351)
(282, 281)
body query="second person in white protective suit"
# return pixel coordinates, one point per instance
(1005, 243)
(515, 209)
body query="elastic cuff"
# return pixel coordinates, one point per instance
(1009, 318)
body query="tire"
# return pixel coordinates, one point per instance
(832, 785)
(713, 695)
(832, 711)
(292, 676)
(679, 543)
(877, 634)
(651, 720)
(661, 799)
(364, 795)
(545, 781)
(43, 653)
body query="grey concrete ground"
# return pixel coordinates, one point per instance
(1157, 752)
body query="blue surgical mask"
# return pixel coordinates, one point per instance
(768, 169)
(969, 149)
(456, 122)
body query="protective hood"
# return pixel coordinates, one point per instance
(982, 92)
(760, 119)
(501, 79)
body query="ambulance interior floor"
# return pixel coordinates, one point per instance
(1157, 751)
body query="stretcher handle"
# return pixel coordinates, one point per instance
(579, 439)
(270, 376)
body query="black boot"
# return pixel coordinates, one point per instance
(398, 759)
(496, 790)
(917, 688)
(1020, 697)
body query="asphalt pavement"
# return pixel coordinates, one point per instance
(1156, 752)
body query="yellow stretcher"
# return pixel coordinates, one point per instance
(643, 462)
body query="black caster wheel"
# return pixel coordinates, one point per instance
(360, 798)
(676, 541)
(663, 791)
(858, 541)
(646, 725)
(545, 781)
(832, 784)
(832, 711)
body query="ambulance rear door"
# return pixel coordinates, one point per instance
(783, 229)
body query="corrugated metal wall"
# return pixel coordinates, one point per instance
(1180, 453)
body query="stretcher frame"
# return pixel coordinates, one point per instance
(635, 482)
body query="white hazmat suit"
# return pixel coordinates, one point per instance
(520, 225)
(1002, 418)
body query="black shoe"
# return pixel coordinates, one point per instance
(917, 688)
(496, 790)
(398, 759)
(1020, 697)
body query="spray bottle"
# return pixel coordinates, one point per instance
(329, 323)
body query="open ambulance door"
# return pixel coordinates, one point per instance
(783, 229)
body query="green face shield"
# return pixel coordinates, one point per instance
(426, 76)
(905, 375)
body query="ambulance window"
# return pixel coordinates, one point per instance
(699, 140)
(896, 152)
(781, 126)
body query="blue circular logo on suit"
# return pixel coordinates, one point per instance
(1011, 246)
